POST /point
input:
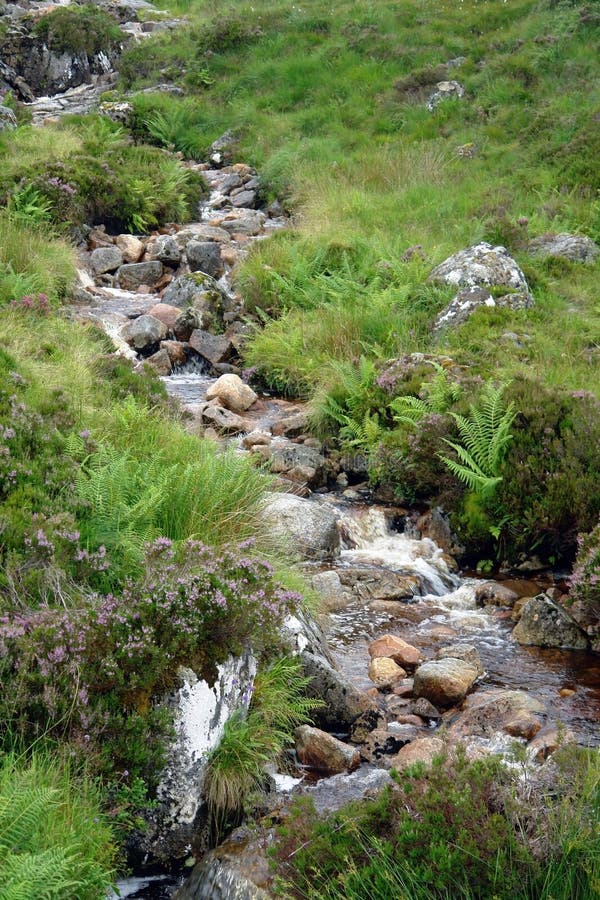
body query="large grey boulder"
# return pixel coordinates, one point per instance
(482, 272)
(144, 332)
(216, 348)
(166, 250)
(105, 259)
(344, 702)
(544, 623)
(309, 527)
(574, 247)
(205, 256)
(133, 275)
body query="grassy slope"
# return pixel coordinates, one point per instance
(327, 100)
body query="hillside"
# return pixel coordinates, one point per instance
(381, 222)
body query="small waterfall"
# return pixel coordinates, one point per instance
(369, 541)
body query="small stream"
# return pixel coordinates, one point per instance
(447, 612)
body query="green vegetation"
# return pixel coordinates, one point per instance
(330, 105)
(79, 29)
(457, 830)
(54, 840)
(87, 171)
(236, 767)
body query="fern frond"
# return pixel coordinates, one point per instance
(410, 410)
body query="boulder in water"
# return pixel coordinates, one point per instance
(466, 652)
(231, 391)
(344, 703)
(385, 673)
(421, 750)
(395, 648)
(310, 528)
(144, 332)
(444, 682)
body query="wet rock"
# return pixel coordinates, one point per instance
(330, 794)
(384, 672)
(8, 120)
(131, 247)
(466, 652)
(132, 275)
(444, 682)
(493, 594)
(421, 750)
(256, 439)
(286, 457)
(218, 877)
(548, 740)
(574, 247)
(323, 752)
(383, 743)
(216, 348)
(544, 623)
(106, 259)
(435, 525)
(445, 90)
(165, 250)
(232, 393)
(310, 528)
(200, 231)
(333, 594)
(292, 426)
(204, 256)
(176, 350)
(243, 221)
(246, 199)
(395, 648)
(144, 332)
(224, 420)
(166, 314)
(372, 583)
(425, 709)
(160, 362)
(344, 703)
(486, 713)
(186, 322)
(372, 720)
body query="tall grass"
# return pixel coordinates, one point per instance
(30, 262)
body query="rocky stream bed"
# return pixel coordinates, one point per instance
(412, 657)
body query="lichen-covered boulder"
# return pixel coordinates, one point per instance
(574, 247)
(544, 623)
(487, 276)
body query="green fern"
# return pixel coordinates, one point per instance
(439, 395)
(485, 438)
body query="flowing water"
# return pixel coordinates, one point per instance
(445, 612)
